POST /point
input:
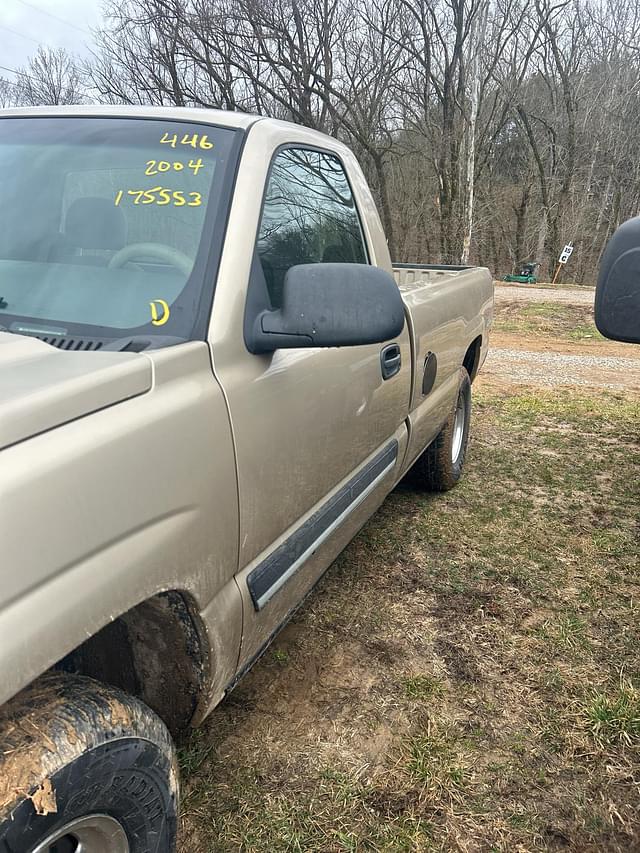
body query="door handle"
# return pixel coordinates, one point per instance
(390, 361)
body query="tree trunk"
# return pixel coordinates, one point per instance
(478, 29)
(542, 234)
(385, 202)
(521, 224)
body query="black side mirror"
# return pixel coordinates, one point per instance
(617, 304)
(330, 305)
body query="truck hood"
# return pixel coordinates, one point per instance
(42, 387)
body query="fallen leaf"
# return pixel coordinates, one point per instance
(44, 799)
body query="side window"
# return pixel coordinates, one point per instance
(309, 217)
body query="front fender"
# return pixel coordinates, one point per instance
(108, 510)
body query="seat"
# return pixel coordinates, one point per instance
(94, 228)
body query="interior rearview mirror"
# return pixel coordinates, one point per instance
(617, 303)
(331, 305)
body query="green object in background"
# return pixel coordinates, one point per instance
(523, 279)
(526, 274)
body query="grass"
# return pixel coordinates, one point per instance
(467, 675)
(549, 320)
(422, 687)
(547, 285)
(434, 763)
(615, 718)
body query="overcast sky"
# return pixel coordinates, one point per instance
(58, 23)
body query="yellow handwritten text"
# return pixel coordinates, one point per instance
(195, 140)
(159, 318)
(161, 197)
(155, 166)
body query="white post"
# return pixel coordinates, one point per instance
(476, 39)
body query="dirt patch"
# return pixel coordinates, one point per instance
(538, 343)
(460, 663)
(555, 343)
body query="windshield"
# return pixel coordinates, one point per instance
(110, 228)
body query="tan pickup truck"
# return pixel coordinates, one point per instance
(209, 380)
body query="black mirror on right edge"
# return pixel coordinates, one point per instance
(617, 304)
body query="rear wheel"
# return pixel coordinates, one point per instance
(440, 466)
(85, 768)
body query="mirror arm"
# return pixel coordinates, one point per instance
(269, 334)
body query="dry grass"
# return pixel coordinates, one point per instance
(548, 320)
(466, 677)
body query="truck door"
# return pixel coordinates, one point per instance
(318, 432)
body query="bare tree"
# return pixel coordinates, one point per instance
(50, 77)
(7, 93)
(490, 130)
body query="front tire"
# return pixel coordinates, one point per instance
(85, 766)
(440, 466)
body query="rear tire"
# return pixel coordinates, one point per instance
(440, 466)
(85, 766)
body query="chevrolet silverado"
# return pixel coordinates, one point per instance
(211, 375)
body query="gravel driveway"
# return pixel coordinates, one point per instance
(549, 369)
(530, 293)
(531, 359)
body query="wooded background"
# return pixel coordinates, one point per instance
(492, 131)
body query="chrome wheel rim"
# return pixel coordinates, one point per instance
(96, 833)
(458, 429)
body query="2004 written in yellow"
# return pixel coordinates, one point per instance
(160, 196)
(155, 166)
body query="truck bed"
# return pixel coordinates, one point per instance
(409, 274)
(449, 311)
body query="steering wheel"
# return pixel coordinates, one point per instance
(157, 251)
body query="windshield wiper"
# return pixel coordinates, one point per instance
(138, 343)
